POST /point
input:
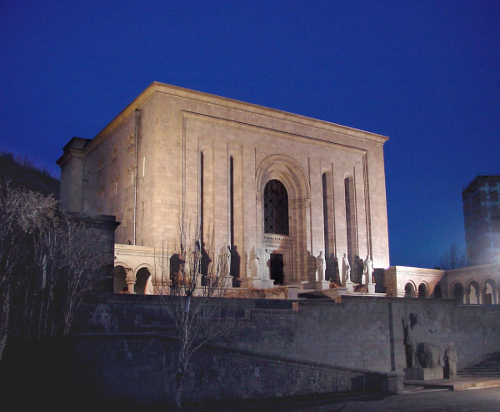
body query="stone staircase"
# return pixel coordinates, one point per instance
(488, 367)
(485, 374)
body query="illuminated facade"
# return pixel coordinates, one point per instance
(279, 189)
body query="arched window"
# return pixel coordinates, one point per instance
(141, 284)
(489, 293)
(458, 292)
(275, 208)
(409, 290)
(119, 281)
(473, 292)
(201, 194)
(330, 273)
(231, 201)
(422, 291)
(438, 291)
(326, 223)
(350, 216)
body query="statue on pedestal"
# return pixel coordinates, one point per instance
(254, 263)
(228, 261)
(450, 361)
(321, 267)
(410, 345)
(368, 270)
(346, 269)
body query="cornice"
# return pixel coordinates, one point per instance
(266, 112)
(235, 105)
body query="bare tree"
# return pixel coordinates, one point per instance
(82, 268)
(453, 258)
(47, 266)
(22, 215)
(186, 280)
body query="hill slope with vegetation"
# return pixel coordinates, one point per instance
(22, 173)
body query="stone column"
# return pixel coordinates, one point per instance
(130, 286)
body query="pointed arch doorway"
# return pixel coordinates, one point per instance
(276, 223)
(285, 201)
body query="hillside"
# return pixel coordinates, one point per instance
(23, 173)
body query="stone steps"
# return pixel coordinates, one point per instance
(485, 374)
(487, 367)
(462, 383)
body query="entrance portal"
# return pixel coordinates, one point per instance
(276, 263)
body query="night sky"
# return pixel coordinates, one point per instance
(424, 73)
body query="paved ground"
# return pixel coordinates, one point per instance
(477, 389)
(464, 394)
(477, 400)
(459, 384)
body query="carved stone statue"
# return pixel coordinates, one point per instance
(429, 354)
(228, 260)
(254, 263)
(320, 267)
(410, 345)
(450, 361)
(368, 270)
(346, 269)
(225, 255)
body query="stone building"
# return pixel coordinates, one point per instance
(472, 285)
(283, 191)
(482, 219)
(479, 283)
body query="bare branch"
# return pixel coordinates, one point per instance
(47, 266)
(187, 278)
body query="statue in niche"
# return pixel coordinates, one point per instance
(367, 270)
(228, 260)
(320, 267)
(226, 256)
(234, 269)
(253, 264)
(204, 260)
(450, 361)
(346, 269)
(332, 269)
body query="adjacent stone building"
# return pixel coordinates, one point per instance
(477, 283)
(283, 191)
(482, 219)
(472, 285)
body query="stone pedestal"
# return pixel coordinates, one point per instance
(253, 283)
(349, 286)
(336, 293)
(394, 382)
(293, 291)
(371, 287)
(316, 285)
(322, 284)
(424, 374)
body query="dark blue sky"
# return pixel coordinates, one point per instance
(424, 73)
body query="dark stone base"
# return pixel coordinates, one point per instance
(424, 374)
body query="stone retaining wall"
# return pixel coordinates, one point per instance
(279, 348)
(140, 369)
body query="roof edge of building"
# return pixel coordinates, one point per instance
(158, 87)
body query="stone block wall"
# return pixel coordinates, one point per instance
(304, 346)
(100, 231)
(140, 370)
